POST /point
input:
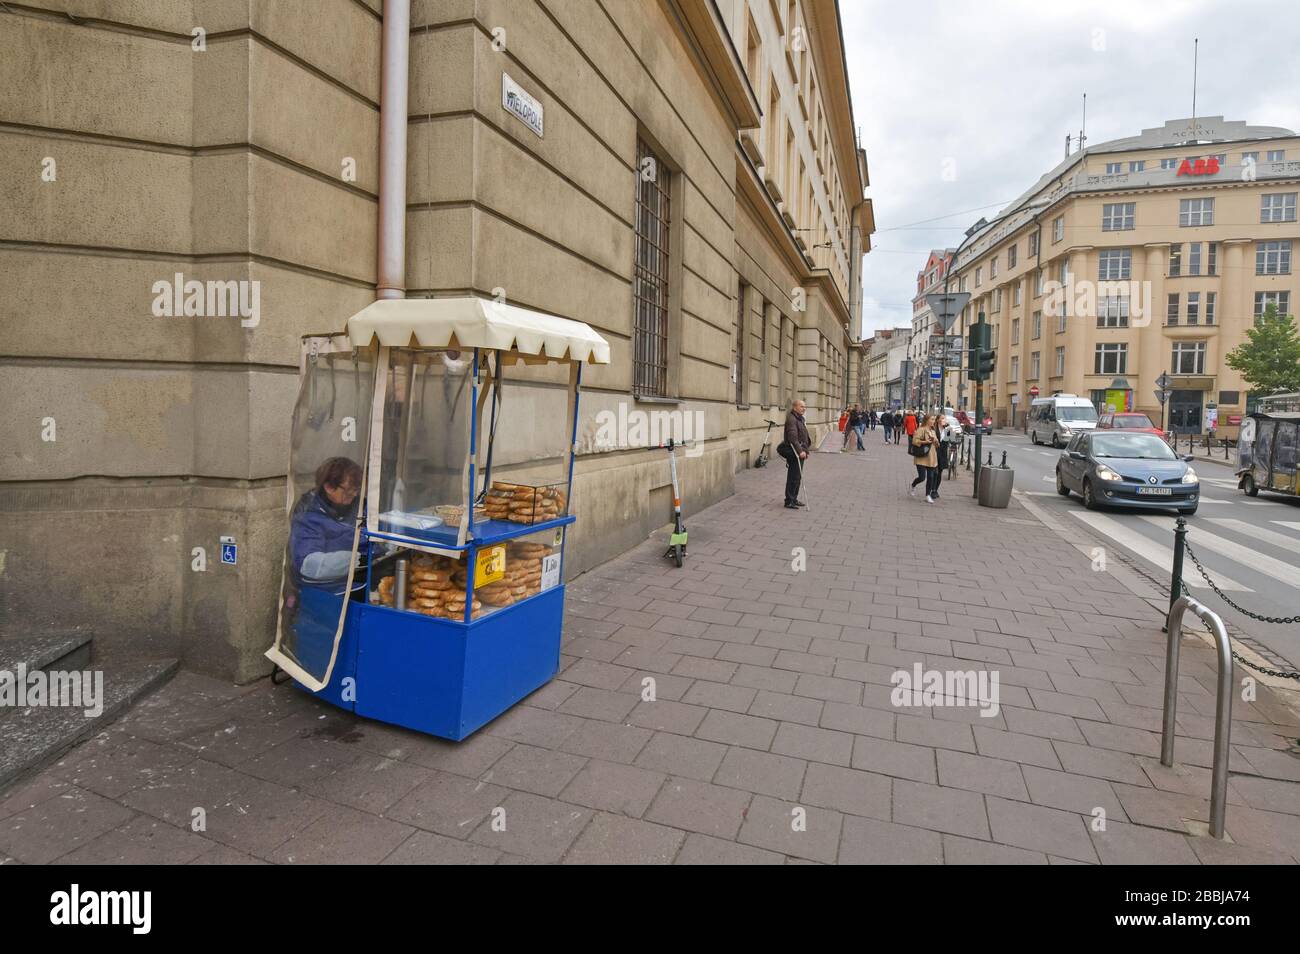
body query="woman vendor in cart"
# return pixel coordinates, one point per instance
(323, 526)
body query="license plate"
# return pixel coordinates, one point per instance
(1154, 491)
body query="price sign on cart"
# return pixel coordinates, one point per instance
(490, 565)
(550, 570)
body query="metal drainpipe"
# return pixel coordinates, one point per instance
(391, 261)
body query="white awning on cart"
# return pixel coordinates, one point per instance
(476, 323)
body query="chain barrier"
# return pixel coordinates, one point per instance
(1282, 621)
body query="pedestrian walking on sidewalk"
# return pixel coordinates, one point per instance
(887, 423)
(948, 433)
(795, 450)
(898, 426)
(909, 427)
(923, 446)
(853, 427)
(872, 419)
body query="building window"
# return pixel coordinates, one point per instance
(1015, 294)
(1058, 228)
(1193, 308)
(1281, 300)
(1115, 264)
(1033, 366)
(963, 283)
(1015, 331)
(1113, 168)
(1110, 358)
(1039, 279)
(997, 300)
(1188, 357)
(1098, 398)
(1249, 157)
(993, 267)
(1138, 166)
(1036, 325)
(650, 275)
(1015, 369)
(1279, 207)
(1118, 216)
(1169, 163)
(1277, 155)
(738, 351)
(1060, 322)
(1212, 258)
(1112, 311)
(1221, 158)
(1033, 244)
(1060, 363)
(1175, 260)
(1193, 212)
(1209, 308)
(1171, 314)
(1011, 257)
(1194, 258)
(1273, 258)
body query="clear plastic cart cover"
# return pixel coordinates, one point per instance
(326, 483)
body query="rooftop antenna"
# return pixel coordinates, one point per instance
(1068, 139)
(1084, 125)
(1196, 47)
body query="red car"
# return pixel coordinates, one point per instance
(1129, 421)
(967, 421)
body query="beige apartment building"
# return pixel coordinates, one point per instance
(1135, 258)
(686, 180)
(929, 281)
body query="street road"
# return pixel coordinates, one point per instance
(1250, 546)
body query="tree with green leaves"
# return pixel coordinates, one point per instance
(1270, 359)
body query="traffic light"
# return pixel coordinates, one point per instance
(980, 358)
(987, 361)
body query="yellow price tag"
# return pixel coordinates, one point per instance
(490, 565)
(559, 537)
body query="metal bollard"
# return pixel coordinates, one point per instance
(1222, 703)
(990, 461)
(1004, 460)
(1180, 544)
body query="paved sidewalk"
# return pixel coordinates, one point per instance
(773, 738)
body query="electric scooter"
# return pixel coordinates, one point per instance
(677, 540)
(765, 452)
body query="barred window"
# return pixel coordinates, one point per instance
(1273, 258)
(650, 277)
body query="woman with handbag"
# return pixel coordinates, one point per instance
(923, 447)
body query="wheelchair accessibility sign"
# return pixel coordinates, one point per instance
(229, 552)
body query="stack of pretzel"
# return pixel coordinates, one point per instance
(435, 586)
(524, 567)
(521, 503)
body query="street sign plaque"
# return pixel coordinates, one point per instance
(1163, 382)
(1161, 395)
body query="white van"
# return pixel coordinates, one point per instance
(1056, 419)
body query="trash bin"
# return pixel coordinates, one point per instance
(995, 486)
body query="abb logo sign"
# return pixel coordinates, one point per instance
(1199, 167)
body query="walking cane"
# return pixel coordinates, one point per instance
(803, 490)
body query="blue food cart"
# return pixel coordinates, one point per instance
(430, 479)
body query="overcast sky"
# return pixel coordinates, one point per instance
(994, 87)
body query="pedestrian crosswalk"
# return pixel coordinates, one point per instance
(1151, 550)
(1258, 550)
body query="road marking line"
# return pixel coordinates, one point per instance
(1149, 550)
(1047, 453)
(1247, 557)
(1282, 540)
(1290, 524)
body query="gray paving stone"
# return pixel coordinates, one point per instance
(847, 790)
(617, 840)
(448, 804)
(860, 720)
(869, 841)
(1100, 763)
(698, 806)
(829, 688)
(260, 818)
(1040, 829)
(481, 751)
(141, 841)
(589, 703)
(1122, 844)
(754, 771)
(968, 851)
(343, 836)
(713, 695)
(664, 686)
(527, 768)
(707, 850)
(540, 829)
(621, 789)
(940, 809)
(786, 708)
(1075, 793)
(796, 830)
(731, 728)
(932, 732)
(693, 758)
(1015, 747)
(714, 670)
(531, 726)
(426, 848)
(1048, 725)
(979, 773)
(813, 744)
(370, 784)
(894, 758)
(765, 678)
(612, 741)
(668, 716)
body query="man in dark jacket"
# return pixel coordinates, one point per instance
(795, 450)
